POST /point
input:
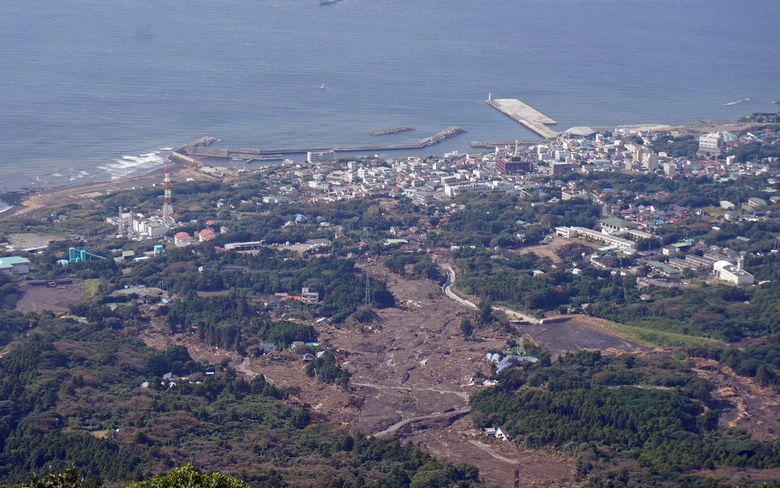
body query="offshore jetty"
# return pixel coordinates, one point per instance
(524, 114)
(392, 130)
(268, 154)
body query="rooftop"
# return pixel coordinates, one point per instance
(616, 222)
(11, 261)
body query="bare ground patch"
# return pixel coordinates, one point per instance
(573, 333)
(50, 299)
(747, 405)
(742, 476)
(548, 250)
(412, 369)
(497, 460)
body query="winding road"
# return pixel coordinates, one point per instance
(447, 289)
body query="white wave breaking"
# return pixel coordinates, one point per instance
(127, 165)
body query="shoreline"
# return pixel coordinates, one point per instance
(189, 168)
(85, 192)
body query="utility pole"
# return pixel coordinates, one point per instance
(517, 477)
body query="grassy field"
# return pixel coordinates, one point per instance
(651, 337)
(90, 288)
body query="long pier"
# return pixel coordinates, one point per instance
(250, 154)
(526, 115)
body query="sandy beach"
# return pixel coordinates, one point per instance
(58, 197)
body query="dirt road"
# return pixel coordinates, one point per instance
(393, 429)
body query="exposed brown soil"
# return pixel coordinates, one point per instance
(411, 375)
(497, 460)
(748, 406)
(548, 250)
(742, 476)
(574, 333)
(45, 299)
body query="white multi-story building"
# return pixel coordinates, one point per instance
(734, 274)
(710, 143)
(316, 157)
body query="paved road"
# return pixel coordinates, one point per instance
(447, 288)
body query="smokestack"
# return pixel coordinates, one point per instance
(167, 210)
(121, 223)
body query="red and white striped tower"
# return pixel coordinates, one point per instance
(167, 210)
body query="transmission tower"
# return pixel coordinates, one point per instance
(367, 297)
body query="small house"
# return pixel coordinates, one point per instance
(182, 239)
(206, 235)
(496, 432)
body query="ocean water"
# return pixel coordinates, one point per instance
(98, 89)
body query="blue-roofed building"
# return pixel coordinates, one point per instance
(14, 265)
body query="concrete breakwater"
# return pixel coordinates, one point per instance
(252, 154)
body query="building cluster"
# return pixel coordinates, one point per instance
(140, 227)
(668, 265)
(512, 167)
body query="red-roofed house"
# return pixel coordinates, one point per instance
(182, 239)
(206, 235)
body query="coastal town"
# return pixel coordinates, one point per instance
(399, 295)
(361, 244)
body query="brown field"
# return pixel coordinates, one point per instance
(24, 240)
(47, 299)
(576, 332)
(548, 250)
(411, 375)
(743, 476)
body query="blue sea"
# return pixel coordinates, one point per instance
(98, 89)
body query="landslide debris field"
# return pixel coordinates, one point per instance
(413, 372)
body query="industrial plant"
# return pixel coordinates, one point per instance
(139, 227)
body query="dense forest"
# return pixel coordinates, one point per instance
(9, 292)
(511, 280)
(230, 322)
(496, 219)
(648, 417)
(340, 284)
(414, 265)
(326, 368)
(759, 361)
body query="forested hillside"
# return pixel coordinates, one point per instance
(630, 421)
